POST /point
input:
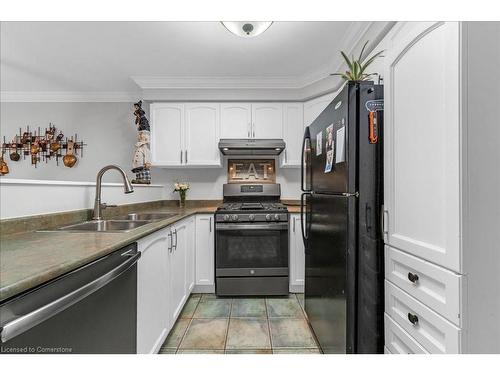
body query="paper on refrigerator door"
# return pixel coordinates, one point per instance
(339, 145)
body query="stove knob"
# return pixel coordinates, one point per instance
(226, 217)
(277, 217)
(234, 217)
(251, 217)
(268, 217)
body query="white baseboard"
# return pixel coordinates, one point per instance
(204, 289)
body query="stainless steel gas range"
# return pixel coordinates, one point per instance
(251, 243)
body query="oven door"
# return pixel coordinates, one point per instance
(251, 249)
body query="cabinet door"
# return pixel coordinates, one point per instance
(205, 250)
(178, 269)
(314, 107)
(236, 120)
(153, 288)
(202, 134)
(267, 120)
(167, 126)
(293, 132)
(422, 154)
(190, 254)
(297, 256)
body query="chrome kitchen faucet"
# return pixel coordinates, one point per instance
(98, 206)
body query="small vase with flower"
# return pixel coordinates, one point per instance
(181, 188)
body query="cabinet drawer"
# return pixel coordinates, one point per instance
(398, 341)
(433, 332)
(435, 286)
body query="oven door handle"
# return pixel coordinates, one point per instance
(263, 226)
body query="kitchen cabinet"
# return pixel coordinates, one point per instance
(236, 120)
(439, 223)
(190, 253)
(167, 134)
(205, 259)
(185, 135)
(293, 132)
(314, 107)
(153, 291)
(296, 255)
(267, 120)
(178, 265)
(202, 132)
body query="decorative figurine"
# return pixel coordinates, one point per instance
(141, 163)
(140, 117)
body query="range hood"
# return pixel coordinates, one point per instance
(251, 146)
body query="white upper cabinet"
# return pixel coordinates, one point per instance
(313, 108)
(202, 134)
(422, 150)
(267, 120)
(236, 120)
(167, 128)
(293, 132)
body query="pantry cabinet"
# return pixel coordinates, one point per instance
(205, 254)
(439, 222)
(153, 291)
(297, 255)
(293, 132)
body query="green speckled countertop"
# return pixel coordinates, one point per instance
(32, 258)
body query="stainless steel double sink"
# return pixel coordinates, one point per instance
(120, 224)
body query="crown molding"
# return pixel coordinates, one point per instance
(67, 96)
(227, 88)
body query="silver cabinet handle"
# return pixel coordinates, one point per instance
(185, 156)
(253, 130)
(294, 218)
(210, 225)
(30, 320)
(169, 247)
(181, 156)
(175, 246)
(249, 126)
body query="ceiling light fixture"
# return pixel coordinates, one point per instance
(247, 29)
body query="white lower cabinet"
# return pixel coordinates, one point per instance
(296, 255)
(178, 265)
(205, 259)
(398, 341)
(434, 333)
(190, 253)
(153, 288)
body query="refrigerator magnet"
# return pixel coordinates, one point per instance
(340, 141)
(329, 161)
(319, 143)
(329, 149)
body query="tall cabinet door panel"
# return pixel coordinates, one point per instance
(236, 120)
(422, 151)
(297, 256)
(205, 250)
(267, 120)
(167, 126)
(293, 132)
(178, 269)
(202, 134)
(153, 286)
(190, 254)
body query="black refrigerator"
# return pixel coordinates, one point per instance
(342, 184)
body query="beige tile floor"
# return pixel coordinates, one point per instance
(209, 324)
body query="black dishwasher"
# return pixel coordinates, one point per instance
(90, 310)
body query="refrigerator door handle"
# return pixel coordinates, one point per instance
(306, 137)
(302, 221)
